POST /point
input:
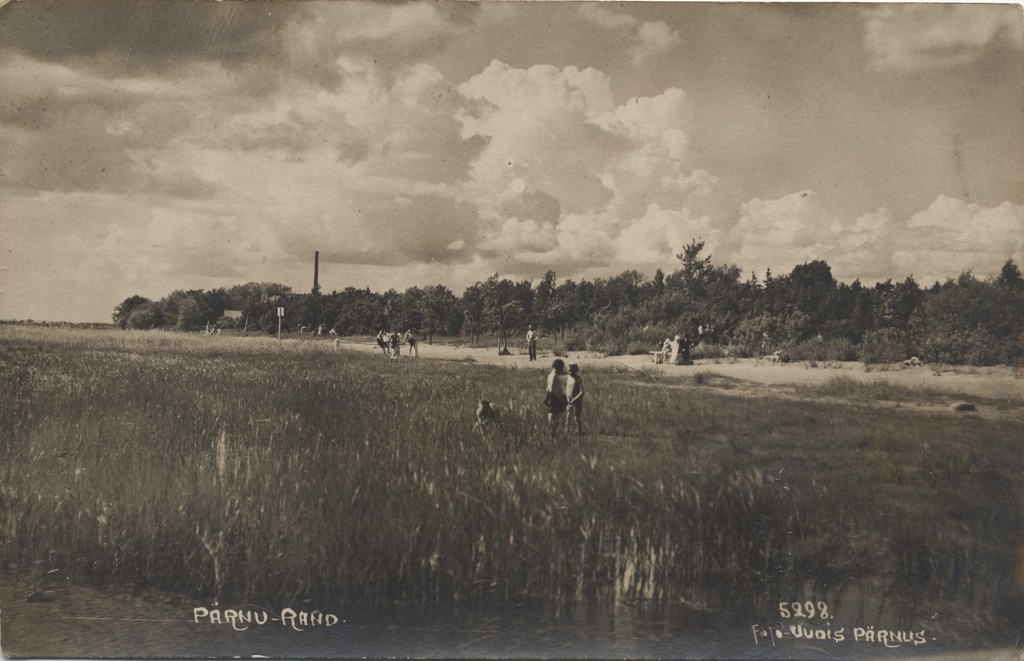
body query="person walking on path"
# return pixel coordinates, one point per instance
(555, 398)
(382, 342)
(531, 342)
(574, 393)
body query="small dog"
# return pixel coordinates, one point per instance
(486, 416)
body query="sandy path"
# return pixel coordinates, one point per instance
(989, 383)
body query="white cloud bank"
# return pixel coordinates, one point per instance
(930, 36)
(947, 238)
(647, 38)
(567, 176)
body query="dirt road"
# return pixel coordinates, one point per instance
(989, 383)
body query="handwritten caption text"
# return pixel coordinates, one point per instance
(243, 619)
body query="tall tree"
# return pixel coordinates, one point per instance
(193, 314)
(544, 300)
(1010, 276)
(124, 311)
(473, 306)
(437, 308)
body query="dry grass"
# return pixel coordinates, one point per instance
(245, 469)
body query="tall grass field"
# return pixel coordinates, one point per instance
(245, 470)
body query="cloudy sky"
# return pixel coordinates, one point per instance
(152, 146)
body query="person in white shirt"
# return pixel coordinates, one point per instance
(531, 342)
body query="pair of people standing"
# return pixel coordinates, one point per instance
(564, 395)
(674, 351)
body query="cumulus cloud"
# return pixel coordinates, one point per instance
(574, 172)
(321, 33)
(663, 232)
(923, 36)
(939, 242)
(538, 133)
(784, 232)
(952, 235)
(402, 126)
(648, 38)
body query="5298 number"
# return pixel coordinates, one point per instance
(805, 609)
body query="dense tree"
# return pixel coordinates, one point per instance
(961, 320)
(145, 317)
(124, 311)
(971, 321)
(544, 302)
(439, 311)
(811, 290)
(502, 311)
(691, 275)
(1010, 276)
(193, 313)
(473, 306)
(354, 312)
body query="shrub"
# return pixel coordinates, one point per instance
(710, 351)
(835, 349)
(973, 347)
(885, 345)
(145, 317)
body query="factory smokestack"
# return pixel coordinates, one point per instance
(316, 272)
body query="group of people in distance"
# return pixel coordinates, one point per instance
(564, 396)
(674, 351)
(390, 343)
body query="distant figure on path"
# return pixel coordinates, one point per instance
(411, 341)
(382, 342)
(555, 398)
(574, 392)
(531, 342)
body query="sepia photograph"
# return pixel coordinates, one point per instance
(511, 330)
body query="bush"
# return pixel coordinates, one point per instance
(974, 347)
(710, 351)
(885, 345)
(145, 317)
(833, 350)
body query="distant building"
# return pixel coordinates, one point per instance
(233, 314)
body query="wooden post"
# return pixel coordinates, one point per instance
(280, 316)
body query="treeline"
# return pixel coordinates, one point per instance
(804, 315)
